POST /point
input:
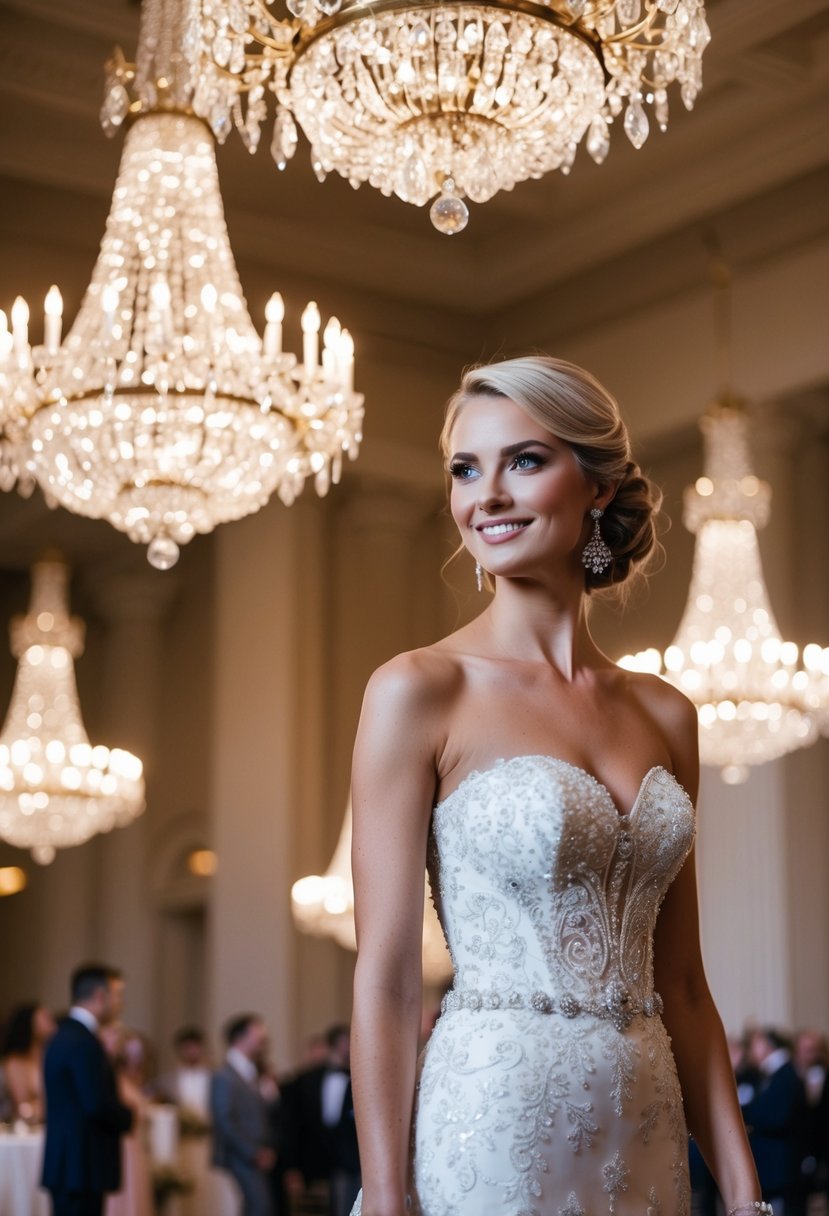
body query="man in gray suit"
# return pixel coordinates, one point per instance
(242, 1142)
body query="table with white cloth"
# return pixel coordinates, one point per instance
(21, 1158)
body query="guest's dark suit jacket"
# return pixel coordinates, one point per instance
(84, 1118)
(307, 1144)
(776, 1118)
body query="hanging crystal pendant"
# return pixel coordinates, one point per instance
(598, 139)
(448, 212)
(636, 123)
(487, 94)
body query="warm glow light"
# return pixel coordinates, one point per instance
(324, 906)
(12, 880)
(56, 790)
(752, 702)
(274, 309)
(203, 862)
(53, 304)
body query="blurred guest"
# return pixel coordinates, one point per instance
(314, 1052)
(128, 1052)
(29, 1029)
(270, 1089)
(242, 1138)
(187, 1086)
(811, 1060)
(319, 1133)
(86, 1119)
(775, 1119)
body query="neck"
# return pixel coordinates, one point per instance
(541, 622)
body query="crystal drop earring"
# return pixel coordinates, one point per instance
(479, 576)
(596, 556)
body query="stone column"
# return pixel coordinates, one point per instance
(261, 762)
(381, 606)
(744, 896)
(133, 605)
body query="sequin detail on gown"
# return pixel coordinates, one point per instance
(548, 1087)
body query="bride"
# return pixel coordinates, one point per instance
(551, 795)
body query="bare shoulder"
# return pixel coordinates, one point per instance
(663, 700)
(402, 731)
(676, 717)
(415, 678)
(408, 701)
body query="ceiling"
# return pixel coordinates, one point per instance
(751, 162)
(760, 128)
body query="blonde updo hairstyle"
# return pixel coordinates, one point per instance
(571, 404)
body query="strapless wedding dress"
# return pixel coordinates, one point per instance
(548, 1087)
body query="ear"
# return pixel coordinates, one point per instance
(603, 495)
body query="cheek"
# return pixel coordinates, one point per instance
(458, 507)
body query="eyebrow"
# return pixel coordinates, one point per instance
(512, 450)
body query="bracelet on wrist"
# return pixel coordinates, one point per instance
(756, 1207)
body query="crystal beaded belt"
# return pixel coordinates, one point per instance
(615, 1004)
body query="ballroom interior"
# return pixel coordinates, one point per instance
(237, 675)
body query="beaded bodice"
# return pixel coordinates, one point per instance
(547, 894)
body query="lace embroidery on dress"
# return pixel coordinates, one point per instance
(566, 1103)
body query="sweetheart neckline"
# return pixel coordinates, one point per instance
(576, 768)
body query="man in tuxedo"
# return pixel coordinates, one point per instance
(242, 1137)
(85, 1120)
(319, 1132)
(775, 1117)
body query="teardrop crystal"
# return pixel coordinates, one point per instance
(628, 11)
(115, 108)
(420, 35)
(598, 139)
(636, 123)
(220, 123)
(413, 185)
(222, 46)
(237, 16)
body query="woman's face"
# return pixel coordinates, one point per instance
(44, 1025)
(519, 497)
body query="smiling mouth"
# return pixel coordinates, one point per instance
(502, 529)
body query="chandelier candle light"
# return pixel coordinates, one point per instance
(56, 789)
(754, 700)
(439, 99)
(162, 410)
(323, 905)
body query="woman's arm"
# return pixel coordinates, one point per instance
(393, 788)
(691, 1018)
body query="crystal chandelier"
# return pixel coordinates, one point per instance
(754, 700)
(162, 410)
(323, 905)
(56, 790)
(425, 98)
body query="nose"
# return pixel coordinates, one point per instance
(492, 495)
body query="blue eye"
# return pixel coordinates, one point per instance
(528, 460)
(461, 471)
